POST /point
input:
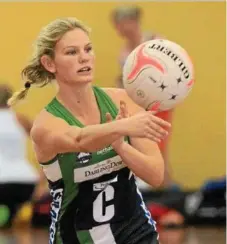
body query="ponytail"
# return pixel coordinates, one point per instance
(19, 95)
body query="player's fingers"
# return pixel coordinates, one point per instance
(158, 129)
(124, 109)
(160, 122)
(153, 138)
(108, 117)
(118, 117)
(156, 134)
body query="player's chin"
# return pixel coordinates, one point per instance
(85, 79)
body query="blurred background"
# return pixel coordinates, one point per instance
(197, 146)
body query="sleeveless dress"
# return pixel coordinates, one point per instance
(95, 199)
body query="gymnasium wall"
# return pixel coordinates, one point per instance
(198, 142)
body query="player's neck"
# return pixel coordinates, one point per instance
(78, 99)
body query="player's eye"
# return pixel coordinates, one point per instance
(71, 52)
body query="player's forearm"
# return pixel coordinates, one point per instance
(149, 169)
(96, 137)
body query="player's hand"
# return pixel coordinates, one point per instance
(145, 125)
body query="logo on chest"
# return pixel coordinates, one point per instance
(83, 157)
(105, 150)
(96, 170)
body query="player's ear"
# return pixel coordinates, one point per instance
(48, 63)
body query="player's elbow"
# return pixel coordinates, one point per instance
(157, 182)
(157, 178)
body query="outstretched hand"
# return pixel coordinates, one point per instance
(143, 125)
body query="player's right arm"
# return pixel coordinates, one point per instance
(52, 135)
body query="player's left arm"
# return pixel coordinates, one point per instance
(143, 156)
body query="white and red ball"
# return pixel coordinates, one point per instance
(158, 75)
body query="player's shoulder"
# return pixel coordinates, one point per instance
(120, 94)
(41, 121)
(45, 122)
(41, 117)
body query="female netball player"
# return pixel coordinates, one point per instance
(18, 178)
(127, 22)
(89, 161)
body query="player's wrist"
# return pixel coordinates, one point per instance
(122, 126)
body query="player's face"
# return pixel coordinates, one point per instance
(74, 58)
(126, 27)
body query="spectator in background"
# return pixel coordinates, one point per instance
(127, 22)
(18, 178)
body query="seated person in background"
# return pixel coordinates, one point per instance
(18, 178)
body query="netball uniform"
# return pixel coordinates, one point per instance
(95, 197)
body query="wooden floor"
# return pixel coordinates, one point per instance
(188, 236)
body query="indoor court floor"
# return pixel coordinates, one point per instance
(186, 236)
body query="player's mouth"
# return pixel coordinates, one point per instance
(85, 70)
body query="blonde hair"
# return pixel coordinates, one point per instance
(126, 12)
(34, 72)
